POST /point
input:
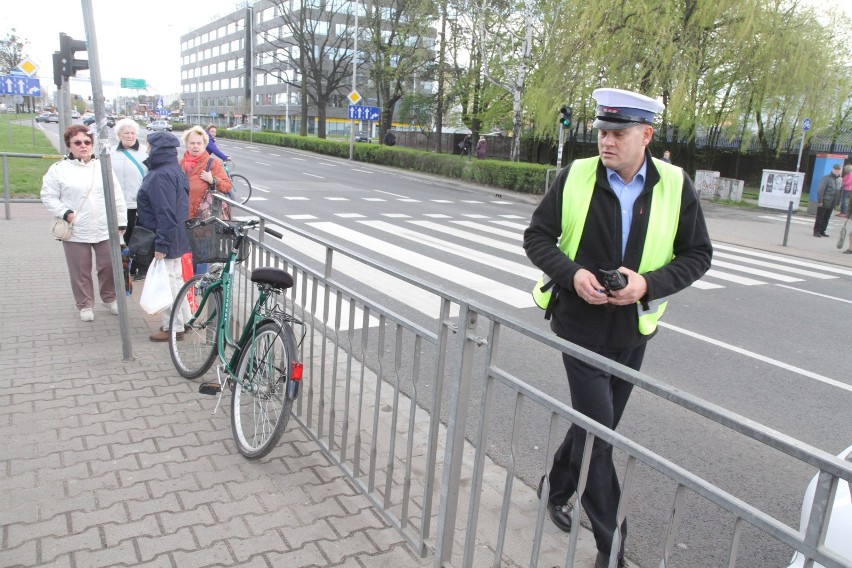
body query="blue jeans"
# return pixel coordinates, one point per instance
(844, 202)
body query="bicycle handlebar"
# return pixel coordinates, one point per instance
(234, 225)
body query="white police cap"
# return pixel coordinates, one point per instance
(619, 109)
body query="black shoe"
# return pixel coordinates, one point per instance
(559, 514)
(141, 276)
(824, 234)
(602, 561)
(817, 235)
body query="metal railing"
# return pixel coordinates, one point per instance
(6, 190)
(407, 410)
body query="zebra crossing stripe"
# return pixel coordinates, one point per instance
(472, 237)
(755, 271)
(481, 284)
(773, 266)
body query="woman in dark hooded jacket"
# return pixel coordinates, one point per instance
(162, 205)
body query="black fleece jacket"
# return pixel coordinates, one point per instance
(609, 328)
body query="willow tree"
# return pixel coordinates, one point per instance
(723, 68)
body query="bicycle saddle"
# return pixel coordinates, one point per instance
(275, 277)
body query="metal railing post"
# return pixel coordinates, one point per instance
(459, 397)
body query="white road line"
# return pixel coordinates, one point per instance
(520, 226)
(276, 155)
(263, 163)
(758, 357)
(473, 201)
(374, 199)
(295, 198)
(327, 164)
(362, 171)
(261, 189)
(336, 198)
(408, 200)
(437, 216)
(475, 216)
(388, 192)
(755, 271)
(733, 278)
(297, 159)
(844, 300)
(772, 265)
(502, 202)
(495, 290)
(512, 216)
(349, 215)
(473, 237)
(787, 259)
(489, 229)
(396, 215)
(374, 279)
(300, 217)
(702, 285)
(312, 175)
(440, 201)
(257, 198)
(462, 251)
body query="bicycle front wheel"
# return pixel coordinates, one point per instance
(240, 188)
(193, 352)
(260, 407)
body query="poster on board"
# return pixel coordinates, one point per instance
(778, 188)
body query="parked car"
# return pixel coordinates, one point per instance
(75, 114)
(362, 137)
(840, 524)
(244, 127)
(48, 117)
(91, 120)
(159, 125)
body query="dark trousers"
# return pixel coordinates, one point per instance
(823, 214)
(601, 397)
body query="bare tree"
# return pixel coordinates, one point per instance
(314, 39)
(11, 51)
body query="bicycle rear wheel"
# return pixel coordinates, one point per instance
(193, 352)
(260, 409)
(240, 188)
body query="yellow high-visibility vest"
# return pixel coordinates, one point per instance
(663, 219)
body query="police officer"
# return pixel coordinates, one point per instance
(624, 211)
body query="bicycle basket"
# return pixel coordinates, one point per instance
(211, 243)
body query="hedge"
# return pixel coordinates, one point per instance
(514, 176)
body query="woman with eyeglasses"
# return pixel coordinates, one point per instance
(73, 190)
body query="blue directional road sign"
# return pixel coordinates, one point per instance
(806, 125)
(358, 112)
(19, 85)
(159, 107)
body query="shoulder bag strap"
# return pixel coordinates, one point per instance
(135, 163)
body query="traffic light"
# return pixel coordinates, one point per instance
(565, 119)
(67, 48)
(57, 69)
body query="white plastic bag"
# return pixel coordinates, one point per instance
(157, 291)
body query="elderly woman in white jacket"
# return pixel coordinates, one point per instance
(128, 165)
(73, 190)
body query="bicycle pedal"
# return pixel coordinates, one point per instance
(209, 388)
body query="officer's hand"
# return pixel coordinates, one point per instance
(635, 290)
(588, 288)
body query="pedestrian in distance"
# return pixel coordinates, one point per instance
(212, 148)
(128, 164)
(73, 190)
(163, 207)
(640, 219)
(465, 145)
(390, 138)
(847, 190)
(481, 148)
(828, 196)
(667, 157)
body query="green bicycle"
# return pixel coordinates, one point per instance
(263, 371)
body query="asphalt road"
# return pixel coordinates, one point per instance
(764, 341)
(767, 341)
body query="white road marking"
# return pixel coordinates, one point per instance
(789, 260)
(473, 237)
(300, 217)
(844, 300)
(495, 290)
(758, 357)
(733, 278)
(312, 175)
(772, 265)
(295, 198)
(755, 271)
(349, 215)
(337, 198)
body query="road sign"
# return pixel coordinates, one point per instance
(353, 97)
(159, 107)
(363, 112)
(132, 83)
(28, 67)
(19, 85)
(806, 125)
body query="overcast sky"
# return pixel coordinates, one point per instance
(139, 40)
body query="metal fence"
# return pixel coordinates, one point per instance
(418, 414)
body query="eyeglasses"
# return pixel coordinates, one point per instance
(86, 142)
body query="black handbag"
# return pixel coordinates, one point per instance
(141, 245)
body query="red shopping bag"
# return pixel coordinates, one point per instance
(187, 273)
